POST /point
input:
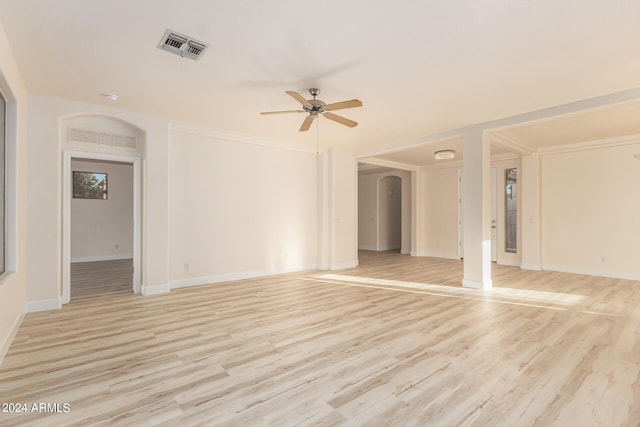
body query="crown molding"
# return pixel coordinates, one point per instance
(592, 145)
(241, 138)
(388, 164)
(510, 143)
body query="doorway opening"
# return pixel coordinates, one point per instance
(384, 209)
(389, 214)
(105, 240)
(101, 228)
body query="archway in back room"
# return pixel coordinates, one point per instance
(384, 209)
(116, 147)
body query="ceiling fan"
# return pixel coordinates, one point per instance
(315, 107)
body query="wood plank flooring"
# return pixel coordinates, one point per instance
(393, 342)
(101, 278)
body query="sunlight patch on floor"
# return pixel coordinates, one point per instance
(508, 294)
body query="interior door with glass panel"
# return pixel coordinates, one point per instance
(494, 214)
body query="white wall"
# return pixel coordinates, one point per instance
(13, 285)
(389, 213)
(46, 140)
(367, 212)
(265, 205)
(439, 212)
(591, 211)
(239, 210)
(439, 208)
(103, 229)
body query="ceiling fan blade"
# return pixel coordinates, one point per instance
(307, 123)
(344, 104)
(299, 98)
(281, 112)
(341, 120)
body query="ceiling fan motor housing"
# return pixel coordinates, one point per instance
(317, 106)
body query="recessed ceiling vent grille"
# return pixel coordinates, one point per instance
(101, 138)
(182, 45)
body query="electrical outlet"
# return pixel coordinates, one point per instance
(186, 265)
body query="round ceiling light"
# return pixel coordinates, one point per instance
(445, 154)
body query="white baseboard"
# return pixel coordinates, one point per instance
(535, 267)
(43, 305)
(340, 266)
(4, 348)
(439, 255)
(389, 248)
(591, 272)
(376, 249)
(343, 265)
(477, 284)
(149, 290)
(509, 262)
(101, 258)
(405, 251)
(229, 277)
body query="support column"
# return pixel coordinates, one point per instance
(337, 204)
(476, 196)
(531, 247)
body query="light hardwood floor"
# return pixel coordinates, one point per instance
(394, 342)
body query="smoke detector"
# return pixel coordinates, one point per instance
(110, 96)
(182, 45)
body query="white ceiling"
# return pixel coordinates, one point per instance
(420, 67)
(616, 121)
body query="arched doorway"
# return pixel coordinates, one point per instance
(101, 139)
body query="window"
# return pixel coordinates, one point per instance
(511, 210)
(3, 133)
(89, 185)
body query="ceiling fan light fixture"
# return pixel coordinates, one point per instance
(445, 154)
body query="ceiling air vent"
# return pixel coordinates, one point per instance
(182, 45)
